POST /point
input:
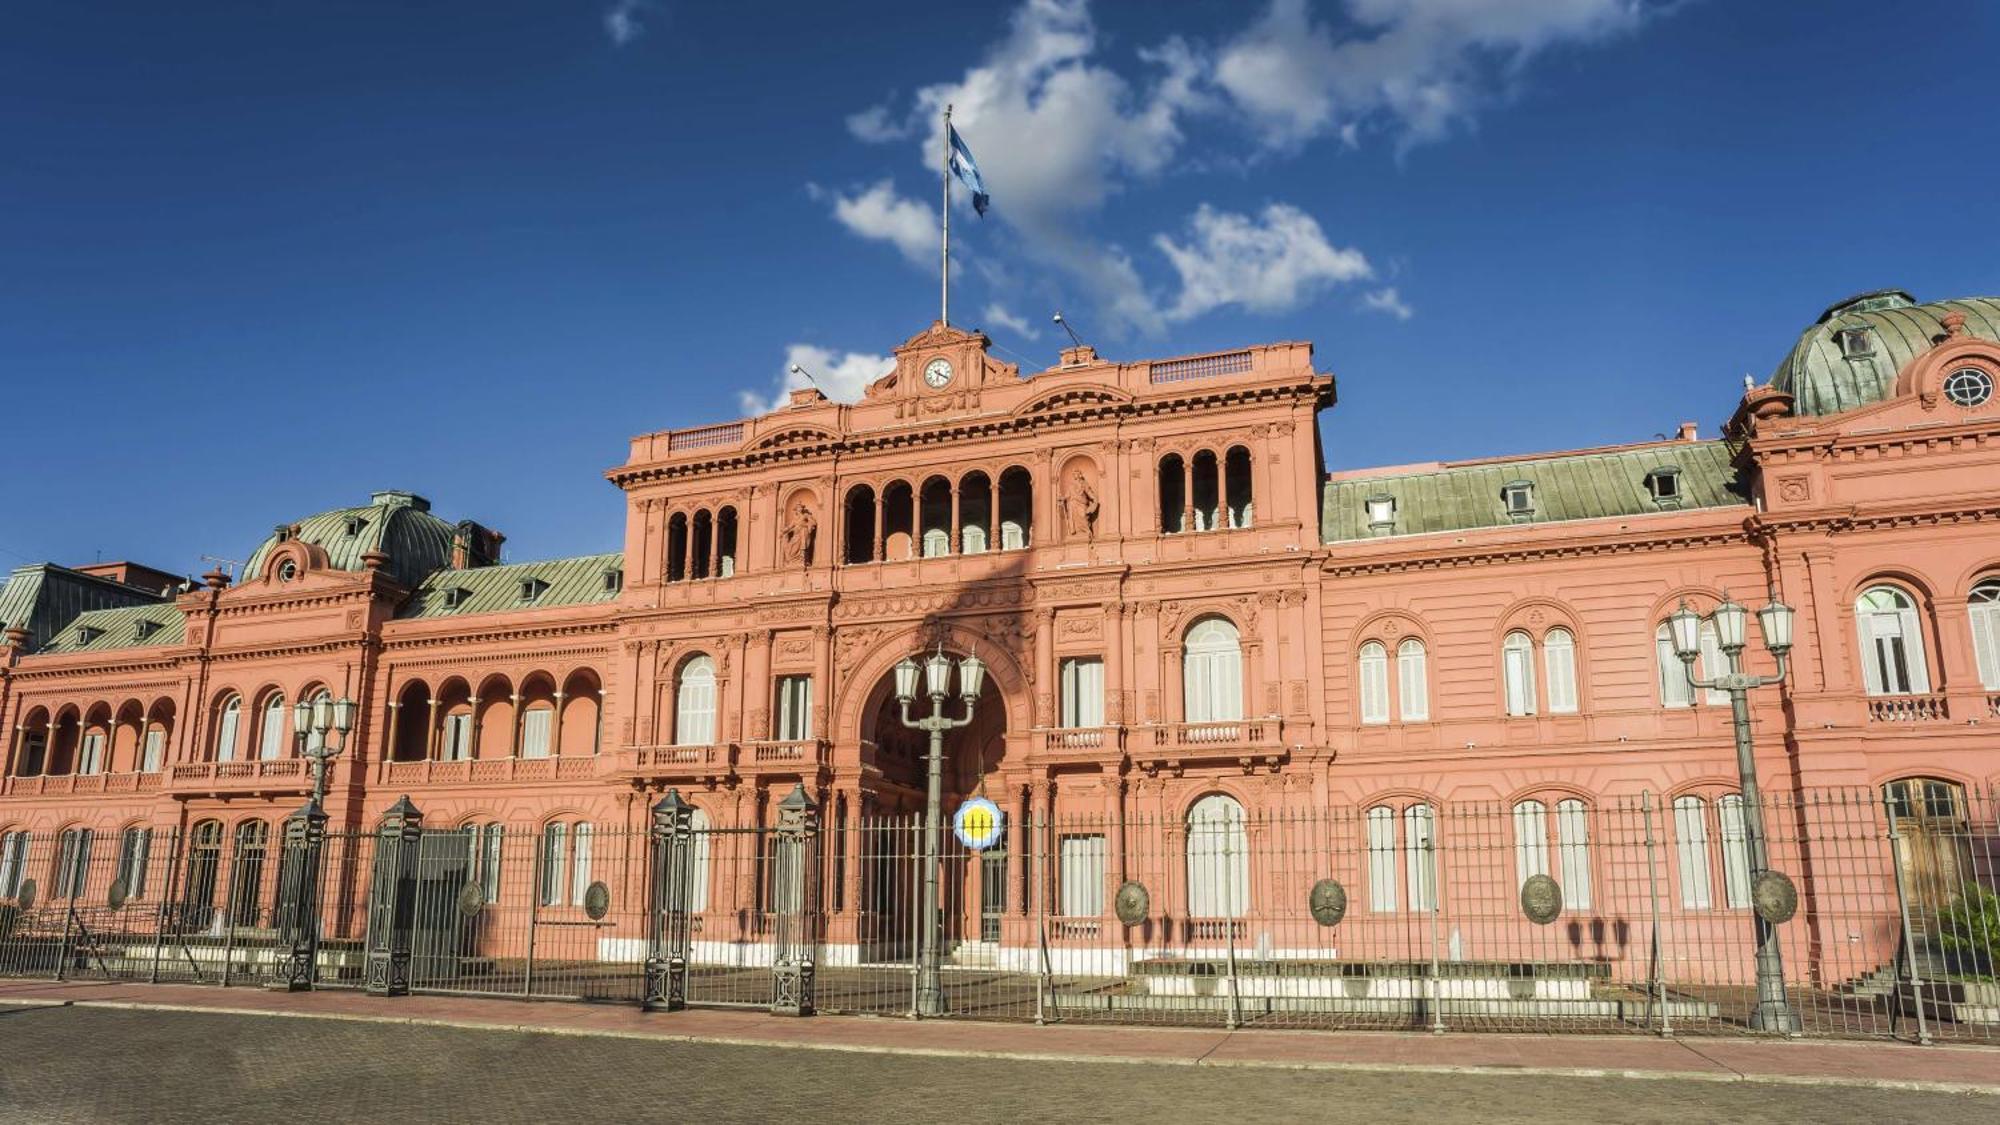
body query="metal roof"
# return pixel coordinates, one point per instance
(102, 630)
(398, 523)
(43, 597)
(1593, 484)
(1823, 379)
(499, 589)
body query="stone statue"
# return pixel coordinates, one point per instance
(1079, 506)
(796, 540)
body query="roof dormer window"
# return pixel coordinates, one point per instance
(614, 580)
(87, 633)
(454, 596)
(1665, 485)
(354, 525)
(531, 590)
(1381, 513)
(1856, 343)
(1520, 499)
(144, 629)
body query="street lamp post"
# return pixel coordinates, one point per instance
(1774, 621)
(321, 727)
(937, 682)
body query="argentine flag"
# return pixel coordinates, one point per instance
(967, 171)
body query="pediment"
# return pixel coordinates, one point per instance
(1074, 397)
(796, 435)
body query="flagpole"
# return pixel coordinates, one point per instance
(944, 265)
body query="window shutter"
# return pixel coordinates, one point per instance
(1381, 859)
(1090, 712)
(1872, 654)
(1674, 690)
(1559, 656)
(1913, 650)
(535, 733)
(1735, 852)
(1374, 683)
(579, 881)
(1986, 643)
(1413, 680)
(1519, 672)
(225, 733)
(1691, 850)
(1418, 859)
(156, 744)
(1531, 840)
(1573, 844)
(1713, 663)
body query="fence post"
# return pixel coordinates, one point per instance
(791, 894)
(229, 907)
(298, 896)
(392, 900)
(673, 855)
(1656, 989)
(1437, 907)
(1903, 910)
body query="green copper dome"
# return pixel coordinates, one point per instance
(399, 524)
(1851, 355)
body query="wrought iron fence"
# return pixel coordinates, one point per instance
(1630, 915)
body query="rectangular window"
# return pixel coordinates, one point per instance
(1083, 692)
(154, 752)
(1691, 851)
(1420, 857)
(1382, 895)
(1082, 876)
(1735, 852)
(133, 848)
(795, 704)
(91, 759)
(456, 745)
(535, 733)
(555, 863)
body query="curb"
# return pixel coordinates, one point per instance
(1729, 1076)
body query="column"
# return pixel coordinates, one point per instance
(822, 685)
(514, 741)
(993, 511)
(1045, 666)
(1187, 492)
(715, 544)
(555, 724)
(956, 542)
(917, 520)
(395, 728)
(1039, 803)
(881, 531)
(472, 748)
(1114, 664)
(757, 678)
(431, 732)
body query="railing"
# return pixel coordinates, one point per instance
(1199, 367)
(489, 770)
(249, 774)
(1906, 708)
(703, 437)
(41, 785)
(1257, 733)
(1080, 741)
(774, 753)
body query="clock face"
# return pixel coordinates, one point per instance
(937, 372)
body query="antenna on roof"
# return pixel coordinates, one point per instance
(1073, 339)
(806, 375)
(1749, 384)
(227, 566)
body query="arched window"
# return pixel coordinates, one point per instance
(1892, 645)
(246, 875)
(1374, 661)
(698, 877)
(1382, 889)
(694, 703)
(487, 845)
(1173, 494)
(579, 876)
(271, 729)
(72, 862)
(1695, 855)
(204, 863)
(1567, 837)
(1420, 856)
(1218, 858)
(13, 862)
(1212, 672)
(1236, 486)
(1559, 663)
(1985, 613)
(135, 846)
(1417, 887)
(1691, 851)
(1517, 663)
(228, 721)
(1413, 695)
(1735, 851)
(555, 862)
(677, 546)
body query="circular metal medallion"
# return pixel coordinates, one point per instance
(25, 897)
(1541, 899)
(471, 898)
(1774, 897)
(1131, 903)
(1328, 902)
(116, 898)
(597, 901)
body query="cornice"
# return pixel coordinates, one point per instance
(1871, 518)
(499, 635)
(488, 659)
(1471, 554)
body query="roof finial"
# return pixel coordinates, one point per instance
(1954, 323)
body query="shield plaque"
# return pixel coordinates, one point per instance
(597, 901)
(1774, 897)
(471, 897)
(1541, 899)
(1328, 902)
(1131, 903)
(25, 898)
(118, 894)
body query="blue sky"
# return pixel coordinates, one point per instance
(258, 259)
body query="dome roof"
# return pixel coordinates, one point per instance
(1826, 373)
(399, 524)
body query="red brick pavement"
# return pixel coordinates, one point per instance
(1970, 1069)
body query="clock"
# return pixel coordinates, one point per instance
(937, 373)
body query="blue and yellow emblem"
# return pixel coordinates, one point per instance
(978, 823)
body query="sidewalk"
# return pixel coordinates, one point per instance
(1873, 1064)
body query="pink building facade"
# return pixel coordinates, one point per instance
(1176, 602)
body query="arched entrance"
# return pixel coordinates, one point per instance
(976, 889)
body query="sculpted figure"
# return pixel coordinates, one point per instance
(1079, 505)
(796, 540)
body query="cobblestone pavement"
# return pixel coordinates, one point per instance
(100, 1065)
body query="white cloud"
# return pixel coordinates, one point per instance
(876, 126)
(1271, 263)
(621, 21)
(1420, 64)
(1387, 300)
(841, 375)
(998, 315)
(878, 212)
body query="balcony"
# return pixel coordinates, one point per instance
(705, 764)
(1249, 742)
(235, 779)
(1080, 744)
(1906, 708)
(489, 771)
(785, 755)
(66, 784)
